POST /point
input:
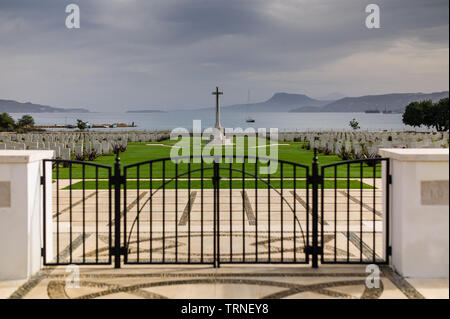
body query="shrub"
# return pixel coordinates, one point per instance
(91, 155)
(118, 148)
(373, 163)
(81, 125)
(354, 124)
(308, 146)
(344, 154)
(80, 157)
(326, 151)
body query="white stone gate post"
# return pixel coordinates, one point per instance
(419, 211)
(21, 214)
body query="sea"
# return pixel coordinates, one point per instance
(175, 119)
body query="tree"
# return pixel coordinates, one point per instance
(413, 115)
(427, 113)
(81, 125)
(443, 114)
(354, 124)
(26, 121)
(437, 115)
(7, 123)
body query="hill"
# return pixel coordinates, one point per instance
(11, 106)
(279, 102)
(395, 102)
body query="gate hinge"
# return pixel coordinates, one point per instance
(42, 180)
(318, 179)
(42, 252)
(122, 251)
(389, 179)
(309, 250)
(389, 251)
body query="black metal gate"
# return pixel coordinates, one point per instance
(217, 210)
(354, 216)
(214, 211)
(76, 213)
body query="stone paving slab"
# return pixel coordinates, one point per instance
(227, 282)
(431, 288)
(185, 237)
(7, 287)
(179, 224)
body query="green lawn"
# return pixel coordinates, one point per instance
(140, 152)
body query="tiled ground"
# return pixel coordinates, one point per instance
(226, 282)
(177, 226)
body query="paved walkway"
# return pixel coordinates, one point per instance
(352, 224)
(193, 282)
(178, 225)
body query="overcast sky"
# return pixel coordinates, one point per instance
(170, 54)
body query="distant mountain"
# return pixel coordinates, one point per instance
(332, 96)
(10, 106)
(395, 102)
(279, 102)
(146, 111)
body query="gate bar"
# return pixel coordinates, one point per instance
(315, 212)
(117, 182)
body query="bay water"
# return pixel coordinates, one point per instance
(281, 120)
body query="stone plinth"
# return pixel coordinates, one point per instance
(21, 212)
(419, 211)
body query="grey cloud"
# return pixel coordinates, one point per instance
(138, 51)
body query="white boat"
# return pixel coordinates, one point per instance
(249, 118)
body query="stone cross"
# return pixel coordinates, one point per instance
(217, 93)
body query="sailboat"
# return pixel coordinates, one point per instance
(249, 118)
(386, 111)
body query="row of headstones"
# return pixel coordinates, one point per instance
(60, 151)
(76, 136)
(380, 135)
(355, 142)
(69, 145)
(367, 144)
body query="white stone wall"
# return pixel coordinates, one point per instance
(21, 215)
(419, 211)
